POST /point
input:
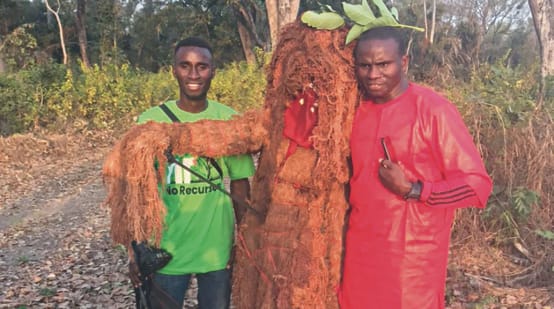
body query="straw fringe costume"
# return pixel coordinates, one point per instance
(289, 250)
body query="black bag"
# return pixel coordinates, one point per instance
(149, 295)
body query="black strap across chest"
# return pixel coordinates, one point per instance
(169, 113)
(171, 158)
(174, 118)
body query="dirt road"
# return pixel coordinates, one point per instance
(55, 250)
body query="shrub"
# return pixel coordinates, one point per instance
(515, 139)
(24, 97)
(16, 109)
(239, 85)
(110, 96)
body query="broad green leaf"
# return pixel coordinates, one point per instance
(383, 10)
(366, 7)
(354, 33)
(357, 13)
(394, 13)
(382, 22)
(325, 20)
(388, 22)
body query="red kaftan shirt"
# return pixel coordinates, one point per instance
(396, 250)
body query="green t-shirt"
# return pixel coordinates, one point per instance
(199, 225)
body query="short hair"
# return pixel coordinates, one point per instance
(384, 33)
(193, 41)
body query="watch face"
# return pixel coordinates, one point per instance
(413, 196)
(415, 191)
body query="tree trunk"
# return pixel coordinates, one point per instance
(280, 13)
(425, 19)
(249, 15)
(58, 20)
(247, 45)
(433, 22)
(2, 63)
(82, 31)
(542, 17)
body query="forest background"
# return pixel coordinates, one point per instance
(78, 66)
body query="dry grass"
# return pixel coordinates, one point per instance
(519, 157)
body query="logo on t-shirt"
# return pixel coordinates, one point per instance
(176, 174)
(181, 181)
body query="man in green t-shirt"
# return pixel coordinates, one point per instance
(199, 224)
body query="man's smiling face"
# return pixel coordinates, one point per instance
(193, 68)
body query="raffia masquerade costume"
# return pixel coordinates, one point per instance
(291, 256)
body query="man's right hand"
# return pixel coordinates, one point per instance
(393, 177)
(134, 274)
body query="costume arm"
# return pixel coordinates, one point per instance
(132, 183)
(465, 181)
(244, 133)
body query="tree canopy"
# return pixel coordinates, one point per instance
(143, 32)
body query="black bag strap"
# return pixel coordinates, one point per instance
(216, 165)
(174, 118)
(169, 113)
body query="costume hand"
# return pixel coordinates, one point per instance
(392, 176)
(134, 274)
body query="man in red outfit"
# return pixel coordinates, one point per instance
(403, 198)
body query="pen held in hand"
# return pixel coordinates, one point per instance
(385, 149)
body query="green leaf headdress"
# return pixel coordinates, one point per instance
(361, 16)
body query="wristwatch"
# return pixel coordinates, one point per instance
(415, 191)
